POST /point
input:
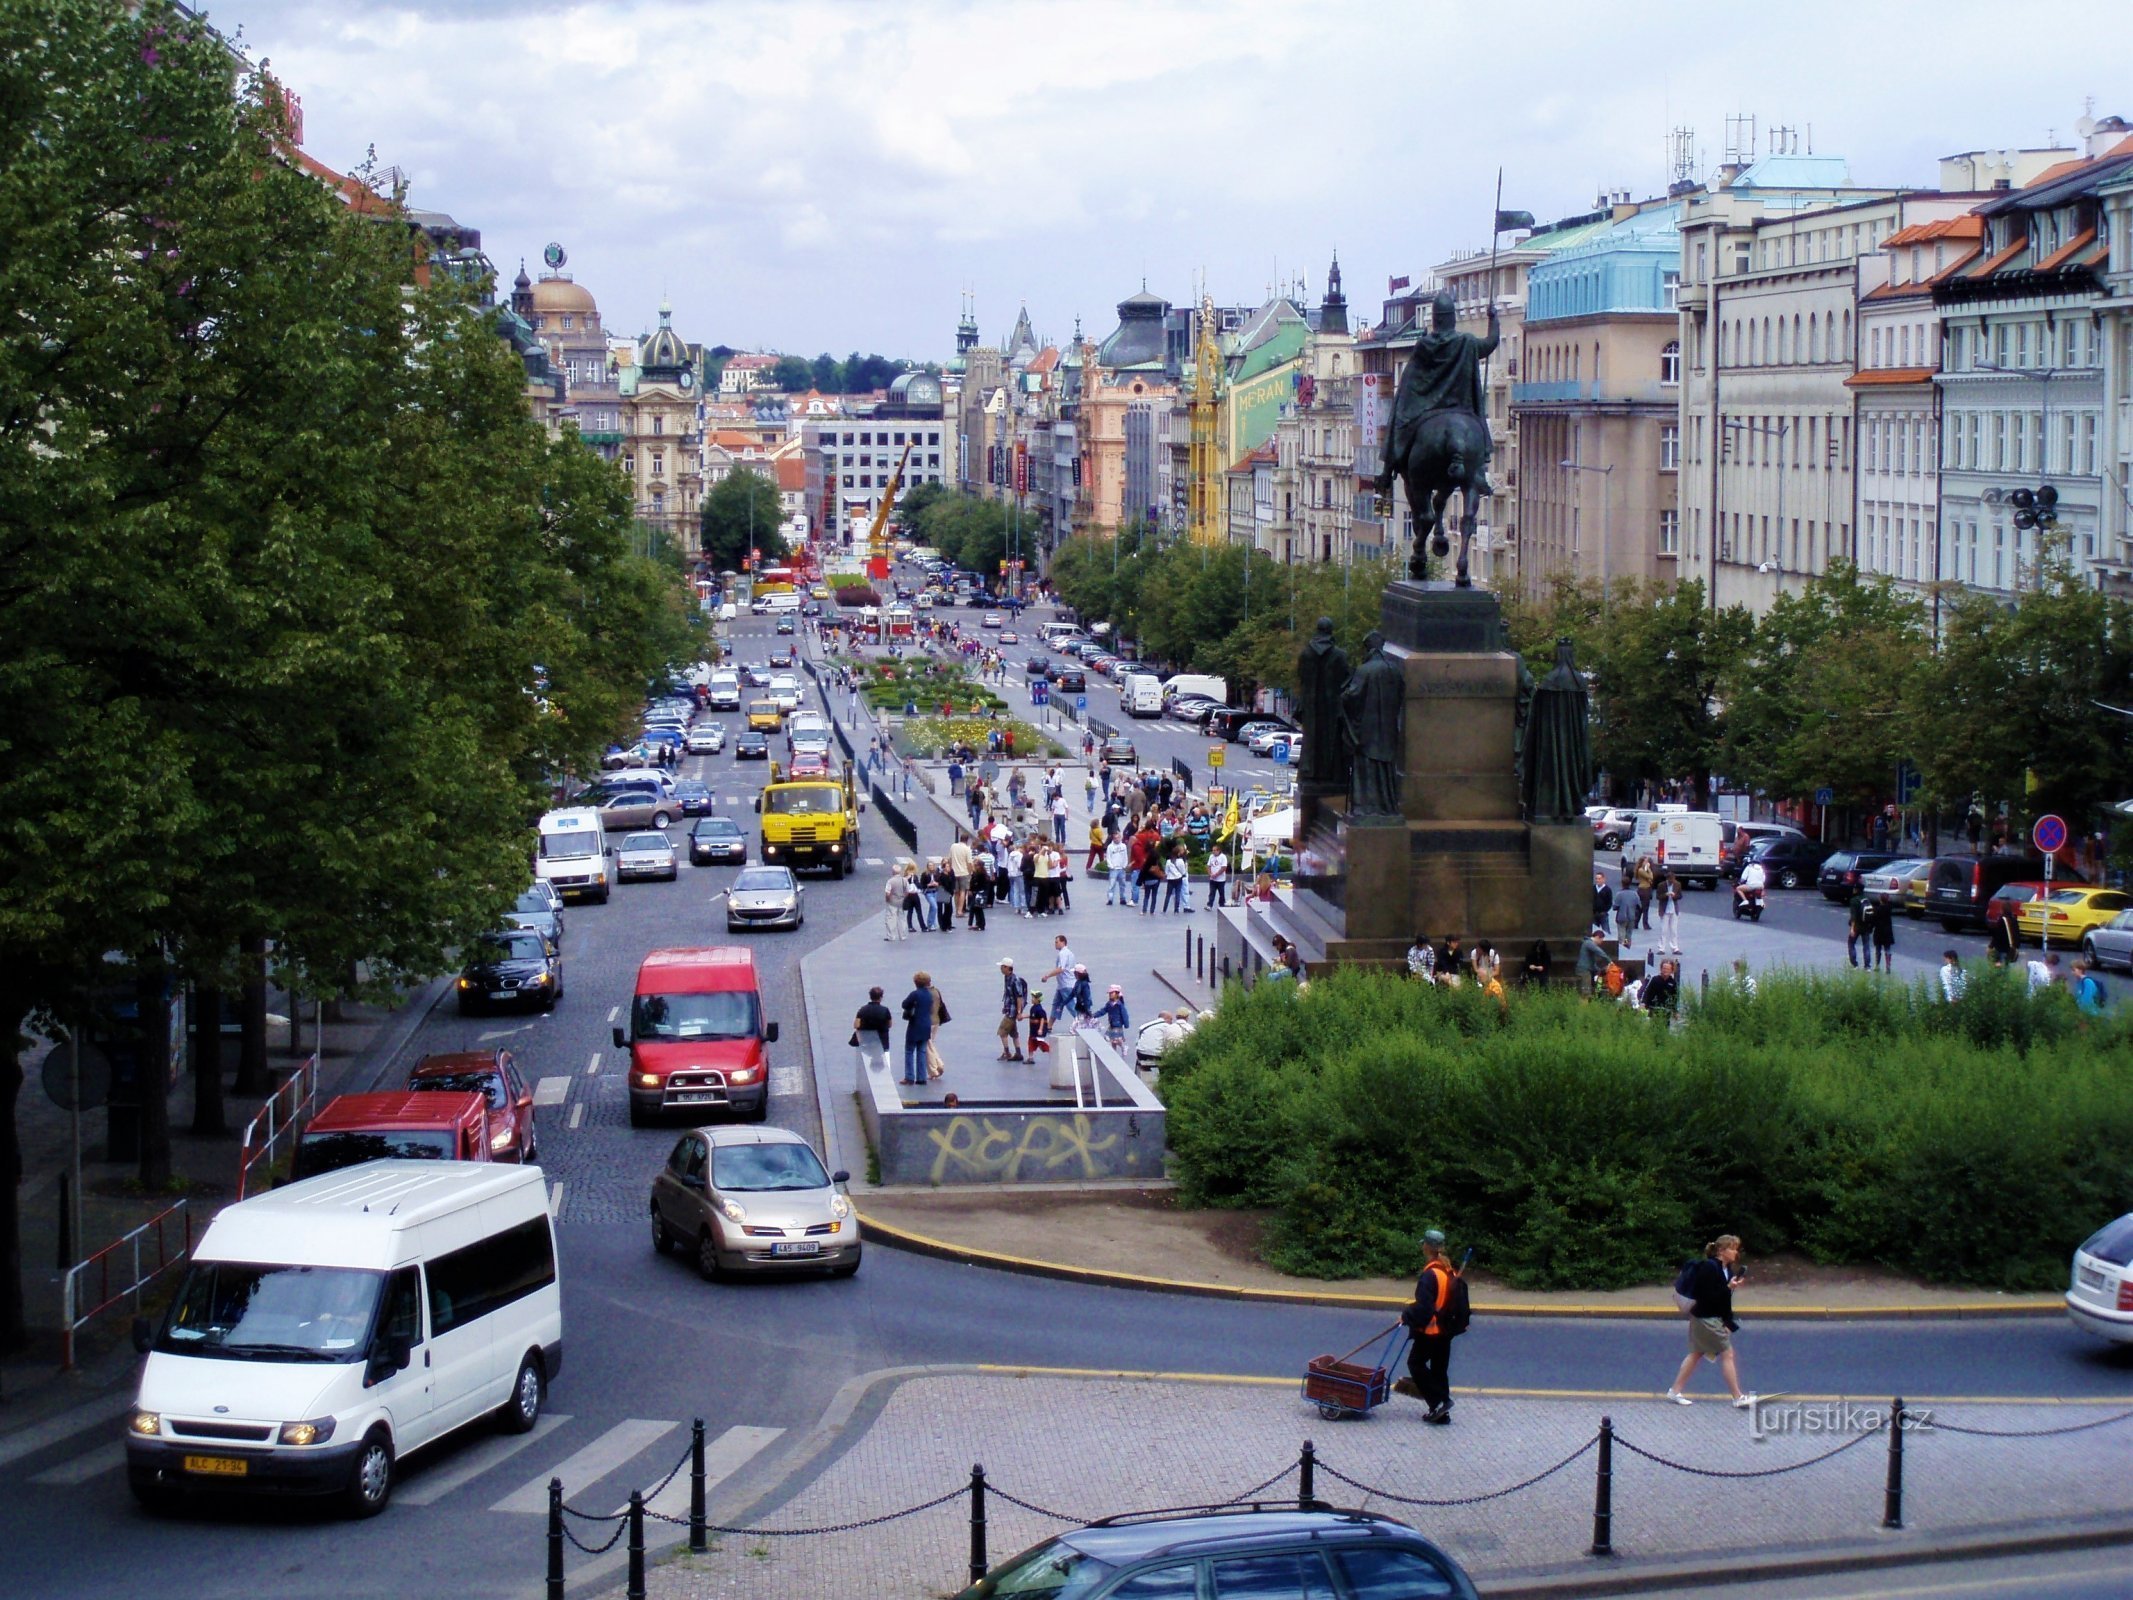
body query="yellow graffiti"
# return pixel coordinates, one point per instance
(978, 1147)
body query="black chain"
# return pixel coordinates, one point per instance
(1258, 1489)
(956, 1493)
(1764, 1472)
(687, 1451)
(1937, 1426)
(992, 1493)
(621, 1528)
(1463, 1500)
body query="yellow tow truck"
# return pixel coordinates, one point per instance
(810, 821)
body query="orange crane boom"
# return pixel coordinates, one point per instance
(878, 533)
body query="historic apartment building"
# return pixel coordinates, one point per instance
(662, 433)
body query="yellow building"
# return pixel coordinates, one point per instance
(662, 445)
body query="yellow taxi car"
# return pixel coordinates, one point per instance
(764, 716)
(2073, 911)
(1914, 890)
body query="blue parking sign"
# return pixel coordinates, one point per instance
(1081, 702)
(1281, 754)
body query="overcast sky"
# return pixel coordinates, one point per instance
(803, 175)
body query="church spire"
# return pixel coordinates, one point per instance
(1333, 309)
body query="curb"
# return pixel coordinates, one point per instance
(897, 1238)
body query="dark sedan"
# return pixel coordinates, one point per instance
(1038, 667)
(1839, 876)
(752, 744)
(694, 798)
(1789, 859)
(1071, 679)
(518, 968)
(716, 840)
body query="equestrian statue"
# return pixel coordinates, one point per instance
(1438, 443)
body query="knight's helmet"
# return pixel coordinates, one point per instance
(1443, 312)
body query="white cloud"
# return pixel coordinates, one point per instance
(812, 174)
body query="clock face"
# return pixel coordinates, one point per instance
(687, 378)
(555, 257)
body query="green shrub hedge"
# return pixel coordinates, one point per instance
(1583, 1145)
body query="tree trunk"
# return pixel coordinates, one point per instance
(14, 1327)
(152, 1000)
(208, 1120)
(252, 1075)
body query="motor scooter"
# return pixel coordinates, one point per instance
(1747, 903)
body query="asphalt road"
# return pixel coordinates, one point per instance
(650, 1346)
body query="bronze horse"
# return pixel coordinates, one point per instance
(1448, 452)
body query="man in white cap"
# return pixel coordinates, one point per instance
(1014, 996)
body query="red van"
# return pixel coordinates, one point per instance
(696, 1035)
(430, 1125)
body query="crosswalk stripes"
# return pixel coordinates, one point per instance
(470, 1463)
(589, 1465)
(90, 1464)
(723, 1457)
(551, 1091)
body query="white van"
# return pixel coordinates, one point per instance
(323, 1330)
(779, 600)
(1140, 695)
(1216, 689)
(1686, 841)
(724, 691)
(573, 856)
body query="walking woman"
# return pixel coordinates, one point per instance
(1707, 1286)
(1667, 893)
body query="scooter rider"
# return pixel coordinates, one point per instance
(1749, 891)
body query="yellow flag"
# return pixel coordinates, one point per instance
(1229, 816)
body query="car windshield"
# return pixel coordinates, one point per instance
(728, 1014)
(509, 947)
(819, 798)
(238, 1311)
(758, 1167)
(2113, 1243)
(575, 845)
(763, 880)
(529, 901)
(484, 1083)
(646, 841)
(716, 828)
(1055, 1571)
(329, 1152)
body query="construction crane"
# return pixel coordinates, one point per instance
(878, 533)
(1203, 473)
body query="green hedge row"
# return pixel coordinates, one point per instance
(1580, 1145)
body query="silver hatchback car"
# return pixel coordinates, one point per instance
(753, 1199)
(764, 897)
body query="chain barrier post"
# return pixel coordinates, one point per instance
(636, 1581)
(696, 1487)
(555, 1539)
(1306, 1476)
(1892, 1496)
(1603, 1493)
(977, 1522)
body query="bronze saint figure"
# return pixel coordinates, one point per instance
(1373, 710)
(1321, 674)
(1439, 439)
(1557, 764)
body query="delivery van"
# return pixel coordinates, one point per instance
(1140, 695)
(1216, 689)
(398, 1124)
(322, 1331)
(573, 854)
(1687, 842)
(724, 691)
(696, 1035)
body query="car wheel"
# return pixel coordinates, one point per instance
(1610, 841)
(1950, 925)
(707, 1256)
(1788, 879)
(523, 1409)
(660, 819)
(2088, 952)
(370, 1478)
(636, 1116)
(662, 1235)
(760, 1111)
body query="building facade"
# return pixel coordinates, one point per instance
(850, 460)
(566, 320)
(662, 434)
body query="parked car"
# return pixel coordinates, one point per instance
(1231, 1550)
(1913, 898)
(646, 855)
(1118, 750)
(716, 840)
(1963, 887)
(707, 739)
(1839, 876)
(1890, 879)
(752, 1200)
(622, 810)
(2011, 899)
(2112, 944)
(2070, 913)
(1070, 679)
(1224, 721)
(1262, 725)
(751, 744)
(494, 1075)
(694, 797)
(2099, 1300)
(764, 897)
(1262, 741)
(513, 968)
(1612, 827)
(539, 910)
(1735, 848)
(1789, 860)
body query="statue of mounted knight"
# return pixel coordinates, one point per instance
(1438, 444)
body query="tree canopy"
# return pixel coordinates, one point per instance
(738, 515)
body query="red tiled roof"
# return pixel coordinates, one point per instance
(1887, 377)
(792, 472)
(1967, 226)
(1986, 269)
(2074, 246)
(2060, 170)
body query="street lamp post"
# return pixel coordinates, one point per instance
(1607, 513)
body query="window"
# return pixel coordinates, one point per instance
(1670, 533)
(1278, 1575)
(1670, 447)
(659, 464)
(1670, 289)
(629, 465)
(1381, 1574)
(1180, 1582)
(491, 1273)
(2088, 444)
(1670, 363)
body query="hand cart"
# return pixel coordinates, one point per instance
(1342, 1387)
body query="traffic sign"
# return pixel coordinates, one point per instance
(1081, 702)
(2049, 833)
(1281, 752)
(1217, 755)
(1038, 691)
(1824, 795)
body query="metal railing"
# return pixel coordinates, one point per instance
(139, 1261)
(283, 1116)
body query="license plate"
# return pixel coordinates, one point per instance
(218, 1466)
(796, 1247)
(692, 1097)
(2091, 1278)
(503, 994)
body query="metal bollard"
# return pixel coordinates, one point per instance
(1892, 1496)
(977, 1522)
(555, 1539)
(636, 1579)
(1703, 984)
(696, 1487)
(1188, 947)
(1603, 1494)
(1306, 1477)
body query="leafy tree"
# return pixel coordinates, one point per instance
(1662, 664)
(738, 515)
(792, 374)
(912, 505)
(828, 374)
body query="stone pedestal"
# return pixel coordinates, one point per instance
(1460, 859)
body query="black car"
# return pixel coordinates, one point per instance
(1788, 859)
(1960, 887)
(1038, 667)
(781, 658)
(514, 968)
(1224, 722)
(751, 744)
(784, 624)
(1232, 1550)
(1839, 876)
(1072, 679)
(717, 839)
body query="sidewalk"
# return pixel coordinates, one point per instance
(1078, 1447)
(204, 1174)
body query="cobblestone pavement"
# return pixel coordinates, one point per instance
(1089, 1447)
